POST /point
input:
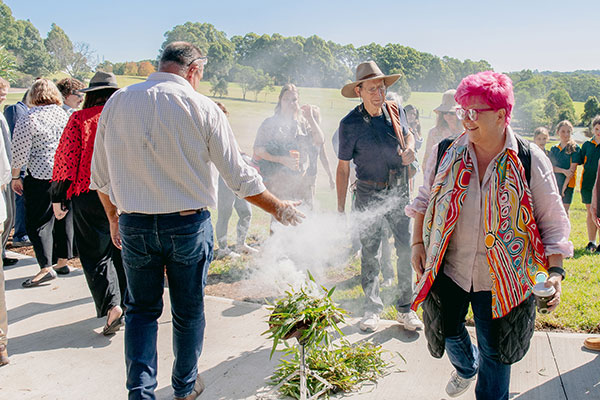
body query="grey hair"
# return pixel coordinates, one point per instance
(181, 54)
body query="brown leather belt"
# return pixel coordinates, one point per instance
(376, 185)
(183, 213)
(190, 212)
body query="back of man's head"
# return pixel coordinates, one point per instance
(177, 56)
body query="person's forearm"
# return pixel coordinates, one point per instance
(264, 200)
(409, 141)
(317, 133)
(417, 233)
(109, 208)
(265, 155)
(341, 183)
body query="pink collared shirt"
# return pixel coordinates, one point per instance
(465, 260)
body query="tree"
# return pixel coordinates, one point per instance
(59, 46)
(261, 81)
(8, 65)
(130, 68)
(31, 53)
(145, 68)
(9, 31)
(559, 106)
(210, 41)
(591, 108)
(245, 76)
(219, 86)
(81, 64)
(106, 66)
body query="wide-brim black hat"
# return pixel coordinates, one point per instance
(102, 80)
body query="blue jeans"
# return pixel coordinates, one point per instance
(493, 377)
(20, 229)
(184, 244)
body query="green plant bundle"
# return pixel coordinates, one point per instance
(346, 366)
(306, 314)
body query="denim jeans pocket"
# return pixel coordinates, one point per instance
(134, 253)
(188, 248)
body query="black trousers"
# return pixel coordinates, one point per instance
(51, 239)
(100, 259)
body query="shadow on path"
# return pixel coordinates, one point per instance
(77, 335)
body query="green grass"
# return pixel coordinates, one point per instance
(578, 108)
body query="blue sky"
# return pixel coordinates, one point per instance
(511, 35)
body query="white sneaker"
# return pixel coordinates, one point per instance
(457, 385)
(410, 320)
(387, 282)
(225, 252)
(369, 322)
(244, 248)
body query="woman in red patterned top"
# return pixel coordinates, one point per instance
(100, 259)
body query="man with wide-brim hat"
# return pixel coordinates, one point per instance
(382, 155)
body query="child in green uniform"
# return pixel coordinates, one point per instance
(590, 153)
(565, 157)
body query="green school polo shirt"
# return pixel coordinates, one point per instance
(590, 154)
(560, 159)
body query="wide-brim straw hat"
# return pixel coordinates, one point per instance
(448, 102)
(368, 71)
(102, 80)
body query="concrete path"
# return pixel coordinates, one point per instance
(57, 351)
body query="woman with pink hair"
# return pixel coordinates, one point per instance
(488, 224)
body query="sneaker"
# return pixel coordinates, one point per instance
(590, 248)
(24, 241)
(225, 252)
(387, 282)
(244, 248)
(369, 322)
(410, 320)
(592, 343)
(457, 385)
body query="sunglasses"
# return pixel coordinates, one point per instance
(203, 60)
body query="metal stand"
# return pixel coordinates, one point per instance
(303, 372)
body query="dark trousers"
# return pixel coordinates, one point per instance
(100, 259)
(386, 204)
(20, 228)
(493, 377)
(50, 239)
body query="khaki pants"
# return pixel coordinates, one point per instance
(3, 314)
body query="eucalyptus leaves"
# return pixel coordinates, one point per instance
(310, 315)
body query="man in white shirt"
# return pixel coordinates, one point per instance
(156, 148)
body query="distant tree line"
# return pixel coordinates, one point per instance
(259, 62)
(546, 98)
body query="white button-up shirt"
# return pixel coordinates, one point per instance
(156, 147)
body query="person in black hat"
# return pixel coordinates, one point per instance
(100, 259)
(368, 137)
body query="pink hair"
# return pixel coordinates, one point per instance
(493, 88)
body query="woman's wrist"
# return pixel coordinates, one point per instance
(416, 243)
